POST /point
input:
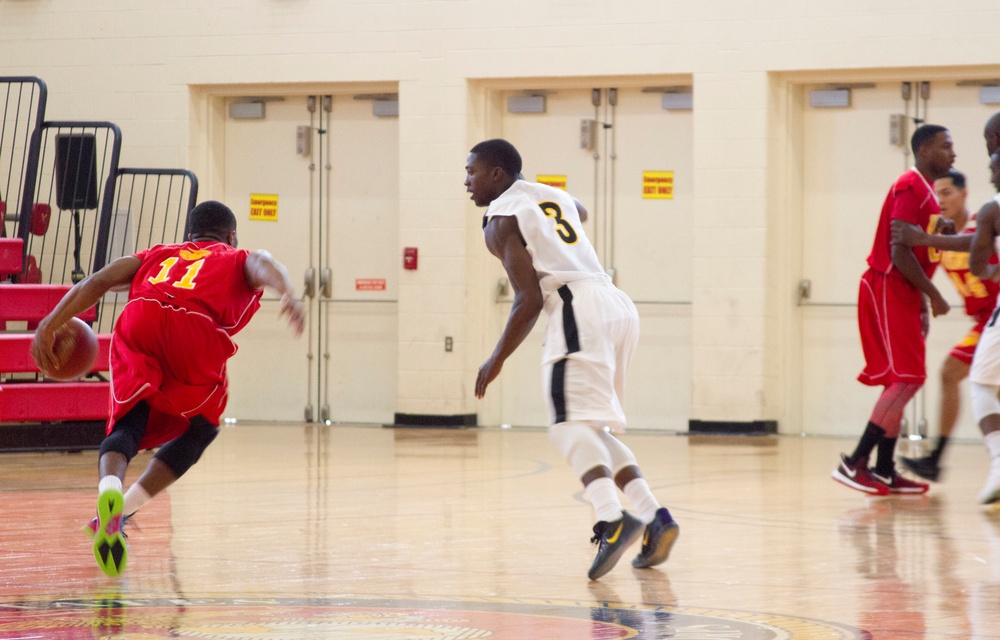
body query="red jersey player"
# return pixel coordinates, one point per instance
(893, 315)
(980, 298)
(168, 357)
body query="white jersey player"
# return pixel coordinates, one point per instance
(536, 232)
(984, 375)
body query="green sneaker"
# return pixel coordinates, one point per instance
(612, 539)
(657, 540)
(109, 539)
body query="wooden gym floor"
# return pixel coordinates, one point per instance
(361, 532)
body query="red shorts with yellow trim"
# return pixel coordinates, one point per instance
(891, 335)
(966, 347)
(173, 359)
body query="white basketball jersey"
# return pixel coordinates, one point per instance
(550, 224)
(996, 241)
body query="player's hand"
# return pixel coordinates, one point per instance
(487, 374)
(292, 307)
(945, 227)
(939, 306)
(43, 348)
(909, 235)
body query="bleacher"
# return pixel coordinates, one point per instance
(67, 209)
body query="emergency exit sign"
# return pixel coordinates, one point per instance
(657, 185)
(264, 206)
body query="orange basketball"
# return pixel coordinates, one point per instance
(76, 348)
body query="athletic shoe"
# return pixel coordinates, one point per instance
(657, 540)
(927, 468)
(899, 484)
(91, 527)
(612, 539)
(991, 491)
(858, 477)
(109, 540)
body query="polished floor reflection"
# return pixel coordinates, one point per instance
(292, 531)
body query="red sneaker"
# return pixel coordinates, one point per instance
(899, 484)
(858, 477)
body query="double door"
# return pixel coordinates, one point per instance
(848, 161)
(315, 182)
(609, 146)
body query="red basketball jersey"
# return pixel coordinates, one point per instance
(911, 199)
(979, 296)
(199, 277)
(172, 340)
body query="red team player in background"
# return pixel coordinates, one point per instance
(979, 296)
(168, 356)
(893, 316)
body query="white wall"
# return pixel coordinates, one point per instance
(147, 68)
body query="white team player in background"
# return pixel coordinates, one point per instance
(984, 375)
(536, 232)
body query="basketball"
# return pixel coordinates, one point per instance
(76, 348)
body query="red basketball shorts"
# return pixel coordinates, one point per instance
(891, 335)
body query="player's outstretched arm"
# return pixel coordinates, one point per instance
(81, 297)
(904, 260)
(504, 240)
(910, 235)
(262, 270)
(987, 228)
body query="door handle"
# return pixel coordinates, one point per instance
(326, 282)
(310, 283)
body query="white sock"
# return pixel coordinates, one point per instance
(642, 499)
(603, 495)
(135, 498)
(109, 482)
(992, 441)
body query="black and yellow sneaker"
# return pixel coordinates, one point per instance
(657, 540)
(612, 539)
(109, 539)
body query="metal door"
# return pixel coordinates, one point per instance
(315, 181)
(608, 145)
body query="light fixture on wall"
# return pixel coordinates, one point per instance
(251, 110)
(530, 101)
(989, 94)
(826, 98)
(989, 89)
(250, 107)
(675, 98)
(384, 105)
(836, 95)
(385, 108)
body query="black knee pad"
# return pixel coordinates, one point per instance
(182, 452)
(127, 433)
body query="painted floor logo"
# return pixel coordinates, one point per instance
(116, 616)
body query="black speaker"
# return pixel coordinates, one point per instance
(76, 171)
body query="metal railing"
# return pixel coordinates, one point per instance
(24, 103)
(151, 207)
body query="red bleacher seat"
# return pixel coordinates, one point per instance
(15, 353)
(32, 302)
(53, 401)
(10, 255)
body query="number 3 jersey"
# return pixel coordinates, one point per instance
(173, 338)
(552, 232)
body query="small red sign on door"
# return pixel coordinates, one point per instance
(369, 284)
